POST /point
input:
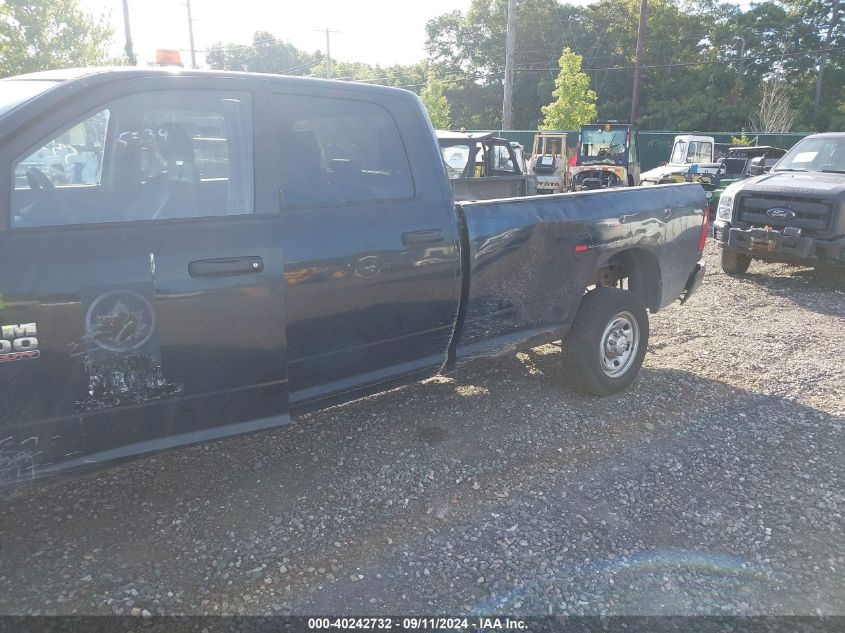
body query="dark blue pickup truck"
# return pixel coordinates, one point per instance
(188, 255)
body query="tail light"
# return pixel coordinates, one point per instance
(582, 247)
(705, 226)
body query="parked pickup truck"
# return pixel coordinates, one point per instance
(739, 163)
(251, 246)
(793, 214)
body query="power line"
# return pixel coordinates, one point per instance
(701, 37)
(228, 47)
(301, 67)
(492, 75)
(328, 52)
(545, 69)
(598, 42)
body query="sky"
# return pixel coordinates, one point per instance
(372, 31)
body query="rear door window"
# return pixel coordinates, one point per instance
(337, 151)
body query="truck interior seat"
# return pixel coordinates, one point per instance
(305, 180)
(174, 191)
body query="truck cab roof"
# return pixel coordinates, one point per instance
(60, 83)
(694, 137)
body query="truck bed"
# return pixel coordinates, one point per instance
(525, 277)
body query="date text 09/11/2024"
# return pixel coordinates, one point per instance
(419, 623)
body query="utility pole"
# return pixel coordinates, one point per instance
(635, 96)
(191, 35)
(834, 14)
(328, 52)
(130, 54)
(507, 103)
(740, 69)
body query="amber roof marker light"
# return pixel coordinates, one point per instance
(168, 57)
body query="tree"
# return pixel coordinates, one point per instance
(775, 115)
(705, 59)
(44, 34)
(412, 76)
(266, 54)
(436, 103)
(576, 101)
(742, 140)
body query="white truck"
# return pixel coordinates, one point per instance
(691, 154)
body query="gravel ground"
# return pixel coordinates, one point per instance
(713, 486)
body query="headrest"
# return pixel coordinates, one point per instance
(305, 150)
(174, 143)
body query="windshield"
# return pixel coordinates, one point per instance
(14, 92)
(678, 152)
(603, 145)
(549, 146)
(815, 154)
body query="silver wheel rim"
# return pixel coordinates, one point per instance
(619, 344)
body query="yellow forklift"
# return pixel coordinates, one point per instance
(549, 164)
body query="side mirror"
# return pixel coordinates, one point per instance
(756, 167)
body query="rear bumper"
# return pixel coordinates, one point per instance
(772, 245)
(694, 281)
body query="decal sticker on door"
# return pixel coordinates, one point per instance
(122, 354)
(18, 341)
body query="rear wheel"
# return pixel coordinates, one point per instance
(605, 348)
(735, 264)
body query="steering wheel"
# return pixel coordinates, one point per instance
(38, 181)
(47, 208)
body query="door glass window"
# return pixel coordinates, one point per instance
(72, 157)
(678, 153)
(338, 150)
(502, 159)
(147, 156)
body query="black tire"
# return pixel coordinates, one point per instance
(735, 264)
(585, 347)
